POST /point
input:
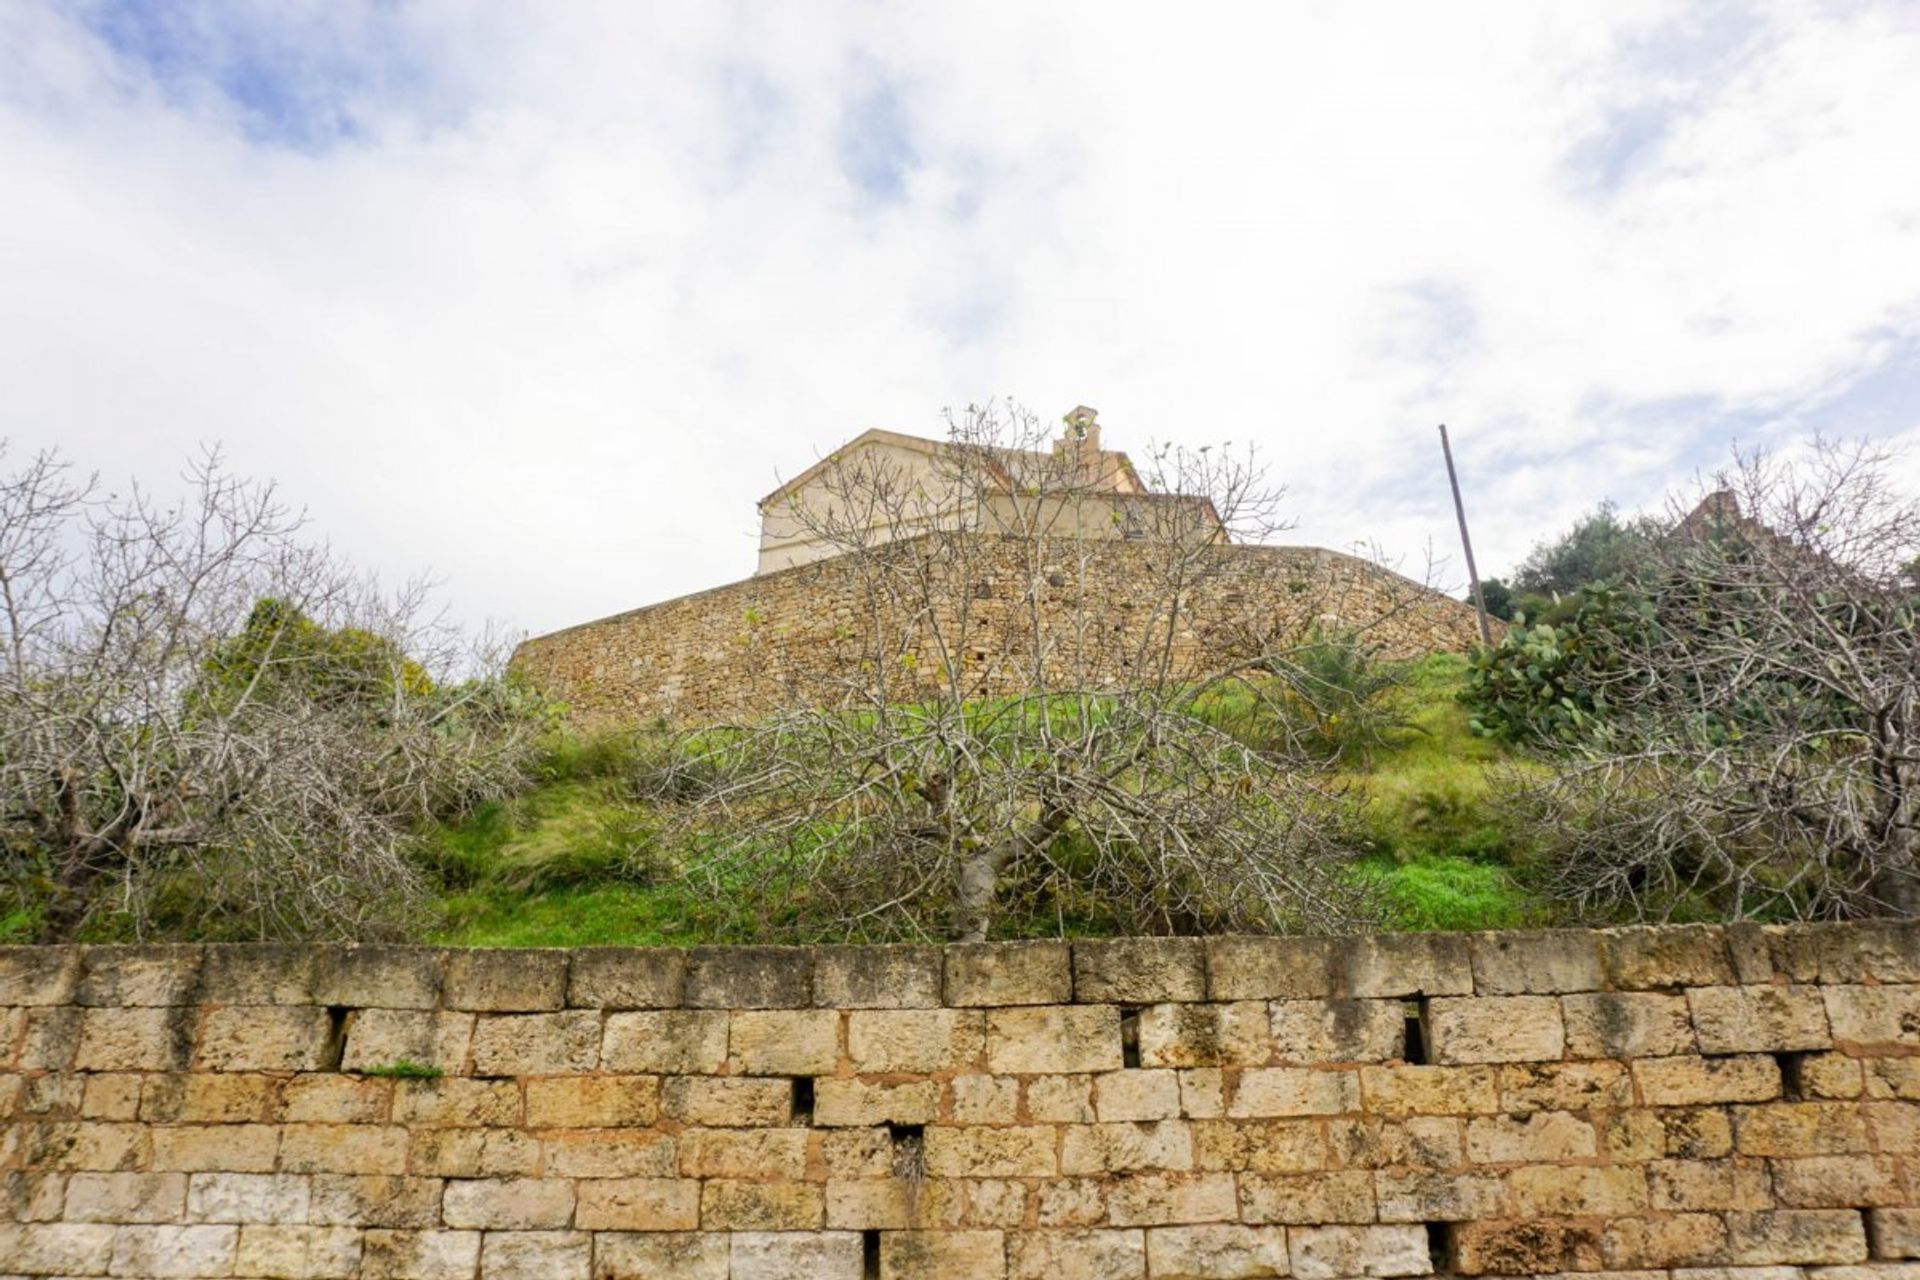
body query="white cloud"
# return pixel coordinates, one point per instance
(577, 281)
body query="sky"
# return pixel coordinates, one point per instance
(542, 298)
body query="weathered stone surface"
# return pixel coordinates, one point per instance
(515, 1044)
(627, 978)
(1323, 1031)
(1874, 1019)
(1627, 1024)
(1796, 1236)
(825, 1255)
(1537, 1137)
(784, 1042)
(293, 1252)
(516, 981)
(536, 1255)
(126, 1197)
(169, 1252)
(1125, 1148)
(257, 973)
(884, 1040)
(420, 1255)
(507, 1204)
(1205, 1035)
(1076, 1255)
(606, 1153)
(1139, 970)
(38, 975)
(1799, 1129)
(1008, 973)
(593, 1102)
(669, 1041)
(744, 1153)
(340, 1148)
(1271, 968)
(899, 977)
(1135, 1095)
(1895, 1233)
(1544, 1191)
(750, 977)
(1432, 1195)
(1405, 964)
(1496, 1029)
(1220, 1251)
(1429, 1090)
(1154, 1199)
(761, 1206)
(638, 1204)
(1654, 959)
(1334, 1252)
(728, 1102)
(378, 977)
(1017, 1151)
(1546, 962)
(251, 1197)
(434, 1104)
(137, 1039)
(139, 975)
(1527, 1247)
(1054, 1039)
(859, 1102)
(1758, 1019)
(943, 1255)
(1294, 1091)
(1307, 1199)
(660, 1256)
(265, 1038)
(1689, 1081)
(384, 1037)
(373, 1200)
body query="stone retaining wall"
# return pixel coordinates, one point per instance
(1710, 1103)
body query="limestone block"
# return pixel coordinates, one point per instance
(126, 1197)
(420, 1255)
(1796, 1236)
(1370, 1142)
(1696, 1239)
(1759, 1019)
(915, 1039)
(1271, 968)
(373, 1200)
(57, 1248)
(1835, 1075)
(32, 1197)
(1406, 964)
(893, 977)
(291, 1252)
(1890, 1078)
(456, 1103)
(1076, 1255)
(1257, 1146)
(378, 977)
(1069, 1202)
(134, 1039)
(1836, 1182)
(858, 1102)
(473, 1153)
(536, 1255)
(83, 1145)
(112, 1096)
(1333, 1252)
(1563, 1086)
(1537, 1137)
(1125, 1148)
(1548, 1191)
(1496, 1029)
(1135, 1095)
(1008, 973)
(49, 1039)
(1293, 1091)
(669, 1041)
(325, 1098)
(257, 973)
(878, 1204)
(750, 977)
(162, 1253)
(824, 1255)
(1323, 1031)
(1053, 1038)
(660, 1256)
(139, 975)
(343, 1148)
(1895, 1232)
(1507, 1248)
(507, 1204)
(592, 1102)
(607, 1153)
(1689, 1081)
(627, 978)
(1627, 1024)
(784, 1042)
(727, 1205)
(1854, 951)
(1631, 1137)
(1894, 1127)
(1060, 1099)
(38, 976)
(728, 1102)
(1692, 1186)
(984, 1099)
(744, 1153)
(943, 1255)
(1163, 1199)
(1535, 962)
(515, 981)
(1139, 970)
(383, 1037)
(1217, 1251)
(1874, 1019)
(1433, 1195)
(638, 1204)
(865, 1153)
(1203, 1093)
(1205, 1035)
(1307, 1198)
(1662, 957)
(536, 1044)
(1013, 1152)
(237, 1148)
(1402, 1090)
(1799, 1129)
(974, 1202)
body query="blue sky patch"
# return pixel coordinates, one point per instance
(875, 144)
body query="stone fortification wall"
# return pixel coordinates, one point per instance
(1710, 1103)
(793, 637)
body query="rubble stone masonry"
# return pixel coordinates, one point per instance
(796, 636)
(1691, 1103)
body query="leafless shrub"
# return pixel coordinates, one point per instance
(209, 725)
(1011, 749)
(1760, 755)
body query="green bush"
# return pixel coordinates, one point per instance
(1546, 682)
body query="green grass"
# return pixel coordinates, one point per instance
(575, 862)
(405, 1069)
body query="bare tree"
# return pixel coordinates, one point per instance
(1761, 752)
(1023, 735)
(208, 724)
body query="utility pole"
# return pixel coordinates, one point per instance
(1473, 574)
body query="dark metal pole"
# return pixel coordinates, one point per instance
(1473, 574)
